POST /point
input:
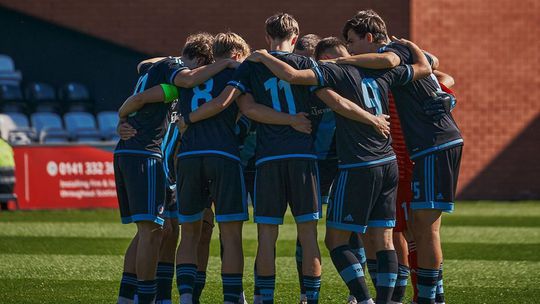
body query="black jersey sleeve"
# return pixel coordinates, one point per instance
(241, 78)
(166, 70)
(399, 75)
(403, 52)
(328, 75)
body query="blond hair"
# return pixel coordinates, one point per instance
(229, 43)
(282, 26)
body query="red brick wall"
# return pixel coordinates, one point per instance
(160, 26)
(491, 49)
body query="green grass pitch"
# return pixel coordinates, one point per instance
(492, 255)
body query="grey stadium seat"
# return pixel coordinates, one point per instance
(49, 127)
(107, 121)
(82, 126)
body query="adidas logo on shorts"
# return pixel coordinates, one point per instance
(348, 218)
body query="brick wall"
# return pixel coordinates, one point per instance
(160, 26)
(491, 49)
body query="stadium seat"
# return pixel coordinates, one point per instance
(11, 99)
(82, 126)
(14, 128)
(107, 122)
(75, 97)
(49, 127)
(42, 96)
(8, 74)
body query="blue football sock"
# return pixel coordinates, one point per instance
(427, 285)
(267, 285)
(232, 287)
(200, 282)
(185, 278)
(164, 278)
(372, 268)
(387, 268)
(401, 283)
(146, 291)
(350, 270)
(128, 286)
(313, 288)
(439, 294)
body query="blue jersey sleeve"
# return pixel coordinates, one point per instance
(398, 76)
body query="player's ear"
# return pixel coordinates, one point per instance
(293, 40)
(369, 37)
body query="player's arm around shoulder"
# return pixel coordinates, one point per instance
(282, 70)
(188, 78)
(421, 66)
(160, 93)
(386, 60)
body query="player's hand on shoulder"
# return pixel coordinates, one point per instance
(257, 55)
(381, 124)
(232, 64)
(402, 41)
(301, 123)
(125, 130)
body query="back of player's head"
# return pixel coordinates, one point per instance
(229, 44)
(364, 22)
(199, 46)
(305, 45)
(282, 26)
(332, 47)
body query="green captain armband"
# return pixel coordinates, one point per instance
(170, 91)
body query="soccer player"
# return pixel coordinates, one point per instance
(324, 125)
(305, 45)
(365, 158)
(139, 172)
(285, 159)
(433, 141)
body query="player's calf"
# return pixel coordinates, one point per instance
(400, 243)
(150, 235)
(387, 264)
(265, 261)
(203, 253)
(346, 263)
(186, 259)
(128, 284)
(232, 261)
(165, 267)
(311, 257)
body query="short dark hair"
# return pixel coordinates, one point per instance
(281, 26)
(366, 21)
(199, 46)
(327, 43)
(307, 43)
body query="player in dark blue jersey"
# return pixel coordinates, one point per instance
(433, 140)
(284, 155)
(139, 171)
(365, 158)
(207, 158)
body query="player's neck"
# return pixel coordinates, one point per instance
(281, 46)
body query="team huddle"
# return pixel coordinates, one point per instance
(363, 124)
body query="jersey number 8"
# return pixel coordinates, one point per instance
(204, 94)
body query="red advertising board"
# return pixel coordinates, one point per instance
(65, 176)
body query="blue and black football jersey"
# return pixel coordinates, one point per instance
(323, 123)
(358, 144)
(151, 120)
(423, 134)
(278, 141)
(215, 135)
